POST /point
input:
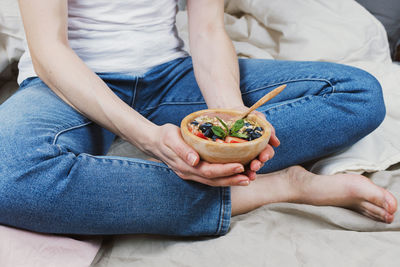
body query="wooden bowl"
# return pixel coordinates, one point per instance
(214, 152)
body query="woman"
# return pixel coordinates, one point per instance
(97, 69)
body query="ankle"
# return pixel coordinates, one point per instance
(297, 179)
(245, 198)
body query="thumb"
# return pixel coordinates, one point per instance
(274, 141)
(183, 150)
(192, 158)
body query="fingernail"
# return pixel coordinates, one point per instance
(244, 182)
(257, 167)
(192, 158)
(239, 169)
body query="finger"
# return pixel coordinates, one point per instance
(267, 154)
(212, 170)
(175, 142)
(255, 165)
(274, 141)
(251, 175)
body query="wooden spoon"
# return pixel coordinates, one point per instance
(263, 100)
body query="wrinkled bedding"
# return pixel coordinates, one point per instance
(274, 235)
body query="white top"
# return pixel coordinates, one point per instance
(128, 36)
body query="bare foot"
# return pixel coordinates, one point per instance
(297, 185)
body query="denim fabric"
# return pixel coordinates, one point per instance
(55, 178)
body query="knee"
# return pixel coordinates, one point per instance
(367, 100)
(27, 185)
(27, 174)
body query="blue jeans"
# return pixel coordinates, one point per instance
(55, 178)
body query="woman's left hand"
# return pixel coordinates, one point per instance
(265, 155)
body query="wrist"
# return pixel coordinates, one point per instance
(227, 105)
(230, 100)
(142, 134)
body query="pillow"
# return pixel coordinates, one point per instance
(388, 13)
(11, 33)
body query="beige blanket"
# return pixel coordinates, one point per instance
(275, 235)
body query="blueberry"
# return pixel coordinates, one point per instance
(247, 124)
(214, 137)
(255, 135)
(248, 130)
(205, 126)
(208, 133)
(258, 129)
(194, 123)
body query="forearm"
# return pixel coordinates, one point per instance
(77, 85)
(216, 68)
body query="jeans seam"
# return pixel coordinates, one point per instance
(302, 99)
(221, 222)
(291, 81)
(225, 213)
(129, 161)
(69, 129)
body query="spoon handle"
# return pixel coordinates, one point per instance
(263, 100)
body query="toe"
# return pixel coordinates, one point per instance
(374, 211)
(390, 203)
(389, 218)
(379, 197)
(370, 215)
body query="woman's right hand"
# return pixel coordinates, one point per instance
(168, 146)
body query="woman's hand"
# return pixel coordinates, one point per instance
(169, 146)
(268, 153)
(265, 155)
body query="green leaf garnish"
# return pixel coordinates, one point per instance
(237, 126)
(223, 124)
(240, 135)
(218, 131)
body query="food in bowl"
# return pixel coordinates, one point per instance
(231, 131)
(225, 150)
